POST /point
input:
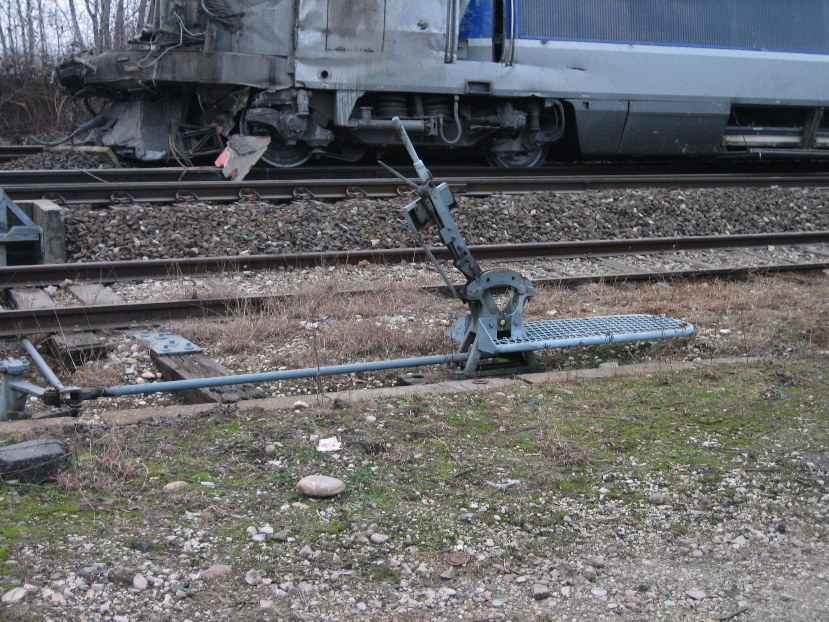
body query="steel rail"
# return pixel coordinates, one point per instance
(44, 178)
(377, 188)
(112, 271)
(14, 323)
(211, 173)
(11, 152)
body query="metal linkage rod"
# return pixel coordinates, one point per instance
(288, 374)
(419, 166)
(42, 365)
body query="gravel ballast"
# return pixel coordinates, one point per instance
(201, 229)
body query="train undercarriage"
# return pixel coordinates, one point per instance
(153, 124)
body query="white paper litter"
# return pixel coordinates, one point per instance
(329, 444)
(506, 484)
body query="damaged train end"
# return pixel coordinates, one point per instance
(318, 78)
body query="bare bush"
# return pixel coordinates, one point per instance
(243, 331)
(102, 464)
(31, 105)
(33, 36)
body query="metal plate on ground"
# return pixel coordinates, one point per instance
(594, 330)
(164, 342)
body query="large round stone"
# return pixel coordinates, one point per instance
(320, 486)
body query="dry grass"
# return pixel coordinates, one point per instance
(328, 300)
(246, 329)
(348, 326)
(95, 374)
(762, 308)
(325, 325)
(781, 292)
(350, 340)
(103, 464)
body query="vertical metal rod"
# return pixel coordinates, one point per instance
(420, 168)
(42, 365)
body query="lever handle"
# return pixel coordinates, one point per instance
(420, 168)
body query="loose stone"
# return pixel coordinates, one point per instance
(448, 574)
(139, 582)
(657, 498)
(230, 397)
(14, 595)
(379, 538)
(458, 558)
(695, 594)
(320, 486)
(174, 486)
(540, 591)
(216, 570)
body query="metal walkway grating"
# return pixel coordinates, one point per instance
(593, 331)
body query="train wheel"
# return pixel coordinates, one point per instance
(522, 159)
(528, 159)
(278, 154)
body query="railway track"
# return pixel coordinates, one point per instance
(211, 173)
(171, 185)
(13, 322)
(113, 271)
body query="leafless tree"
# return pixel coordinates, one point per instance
(33, 34)
(76, 27)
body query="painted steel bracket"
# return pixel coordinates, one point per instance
(14, 392)
(26, 231)
(13, 389)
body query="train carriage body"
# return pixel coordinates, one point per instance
(513, 78)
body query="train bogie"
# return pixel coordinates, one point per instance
(511, 78)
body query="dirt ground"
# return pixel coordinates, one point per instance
(691, 495)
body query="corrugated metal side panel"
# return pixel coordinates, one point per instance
(801, 26)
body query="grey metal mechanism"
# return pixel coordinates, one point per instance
(486, 320)
(498, 333)
(15, 390)
(494, 337)
(16, 227)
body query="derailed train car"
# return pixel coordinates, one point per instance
(512, 78)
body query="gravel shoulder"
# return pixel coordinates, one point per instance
(690, 495)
